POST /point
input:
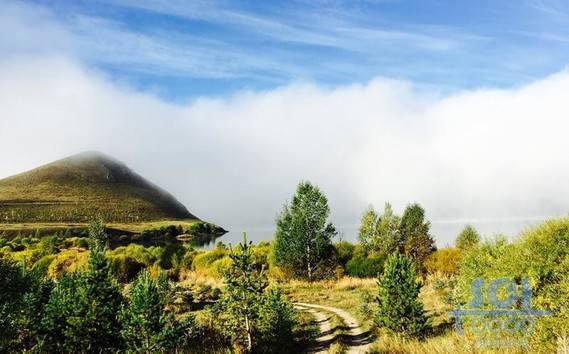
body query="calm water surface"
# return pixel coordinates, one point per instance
(444, 231)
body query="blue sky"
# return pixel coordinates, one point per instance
(184, 49)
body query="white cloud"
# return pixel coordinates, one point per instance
(472, 155)
(479, 154)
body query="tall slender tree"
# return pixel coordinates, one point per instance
(240, 306)
(415, 238)
(368, 228)
(304, 234)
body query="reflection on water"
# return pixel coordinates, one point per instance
(444, 232)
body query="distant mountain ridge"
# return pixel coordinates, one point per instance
(84, 186)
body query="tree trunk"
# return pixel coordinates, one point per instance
(309, 265)
(249, 339)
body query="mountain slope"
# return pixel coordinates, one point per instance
(81, 187)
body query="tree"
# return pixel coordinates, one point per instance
(12, 287)
(399, 309)
(415, 240)
(246, 313)
(388, 237)
(240, 303)
(97, 232)
(82, 312)
(304, 236)
(468, 238)
(23, 295)
(368, 228)
(379, 233)
(146, 326)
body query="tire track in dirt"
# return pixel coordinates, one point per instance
(357, 340)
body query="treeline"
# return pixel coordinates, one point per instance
(304, 245)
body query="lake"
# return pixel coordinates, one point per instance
(444, 232)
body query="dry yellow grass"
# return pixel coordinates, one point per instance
(450, 343)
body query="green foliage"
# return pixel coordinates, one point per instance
(416, 241)
(146, 326)
(388, 233)
(365, 266)
(468, 238)
(367, 233)
(277, 319)
(238, 308)
(97, 233)
(253, 318)
(82, 312)
(204, 228)
(399, 309)
(344, 251)
(444, 261)
(22, 298)
(303, 236)
(540, 254)
(125, 268)
(205, 259)
(379, 233)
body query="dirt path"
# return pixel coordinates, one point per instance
(357, 340)
(326, 337)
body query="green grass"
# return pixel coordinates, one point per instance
(44, 228)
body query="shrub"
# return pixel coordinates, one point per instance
(81, 242)
(205, 259)
(364, 266)
(444, 261)
(345, 252)
(144, 255)
(42, 265)
(82, 312)
(125, 268)
(540, 254)
(67, 261)
(146, 327)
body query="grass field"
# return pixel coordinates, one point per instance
(47, 228)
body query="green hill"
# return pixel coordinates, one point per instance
(84, 186)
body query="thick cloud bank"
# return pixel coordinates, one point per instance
(476, 155)
(473, 155)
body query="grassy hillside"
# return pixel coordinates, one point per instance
(81, 187)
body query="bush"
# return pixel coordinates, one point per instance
(125, 268)
(540, 254)
(146, 327)
(345, 252)
(202, 261)
(82, 312)
(444, 261)
(81, 242)
(144, 255)
(67, 261)
(364, 266)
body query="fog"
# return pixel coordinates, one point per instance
(481, 156)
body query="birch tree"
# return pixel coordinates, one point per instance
(304, 234)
